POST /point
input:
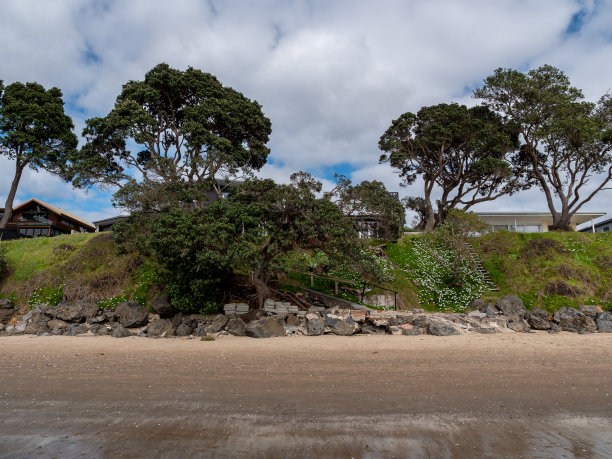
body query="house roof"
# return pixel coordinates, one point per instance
(57, 210)
(110, 220)
(596, 224)
(579, 217)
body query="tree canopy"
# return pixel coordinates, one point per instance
(370, 199)
(464, 152)
(187, 126)
(247, 232)
(34, 132)
(566, 141)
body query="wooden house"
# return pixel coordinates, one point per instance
(38, 218)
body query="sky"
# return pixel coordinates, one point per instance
(330, 74)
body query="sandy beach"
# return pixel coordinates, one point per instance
(502, 395)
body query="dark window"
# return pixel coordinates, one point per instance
(606, 228)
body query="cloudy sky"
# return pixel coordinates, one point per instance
(330, 74)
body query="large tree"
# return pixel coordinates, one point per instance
(173, 127)
(34, 132)
(257, 223)
(464, 152)
(566, 140)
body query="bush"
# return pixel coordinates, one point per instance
(47, 295)
(3, 260)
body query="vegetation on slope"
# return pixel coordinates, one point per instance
(75, 267)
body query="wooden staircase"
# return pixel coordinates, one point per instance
(477, 262)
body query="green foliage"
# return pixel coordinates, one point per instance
(371, 200)
(47, 295)
(4, 262)
(465, 152)
(145, 278)
(566, 142)
(35, 132)
(189, 130)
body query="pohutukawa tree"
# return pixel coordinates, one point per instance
(463, 154)
(566, 140)
(188, 129)
(34, 132)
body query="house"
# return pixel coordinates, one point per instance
(600, 227)
(38, 218)
(531, 222)
(108, 223)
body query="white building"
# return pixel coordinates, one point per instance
(532, 222)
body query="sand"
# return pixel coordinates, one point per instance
(503, 395)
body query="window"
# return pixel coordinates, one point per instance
(606, 228)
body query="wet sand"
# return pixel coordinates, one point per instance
(504, 395)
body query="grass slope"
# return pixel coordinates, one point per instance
(85, 264)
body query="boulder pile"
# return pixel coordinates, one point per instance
(507, 315)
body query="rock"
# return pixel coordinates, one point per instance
(438, 328)
(590, 310)
(131, 314)
(119, 331)
(1, 327)
(341, 326)
(477, 304)
(267, 327)
(315, 325)
(396, 330)
(382, 323)
(57, 326)
(511, 305)
(420, 321)
(517, 324)
(538, 323)
(78, 311)
(485, 330)
(37, 324)
(359, 316)
(372, 330)
(161, 305)
(201, 329)
(76, 329)
(554, 328)
(109, 314)
(236, 327)
(253, 314)
(183, 330)
(604, 322)
(491, 311)
(160, 328)
(293, 320)
(477, 314)
(6, 303)
(100, 329)
(96, 320)
(218, 324)
(562, 288)
(578, 324)
(566, 313)
(6, 314)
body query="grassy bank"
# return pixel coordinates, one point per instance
(73, 267)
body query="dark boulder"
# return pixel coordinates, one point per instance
(183, 330)
(76, 329)
(6, 303)
(373, 330)
(293, 320)
(579, 324)
(341, 326)
(236, 327)
(590, 310)
(420, 321)
(37, 324)
(201, 329)
(6, 315)
(253, 314)
(267, 327)
(100, 329)
(119, 331)
(57, 326)
(315, 325)
(538, 319)
(477, 305)
(517, 324)
(437, 328)
(131, 314)
(604, 322)
(79, 311)
(511, 305)
(161, 305)
(218, 324)
(160, 328)
(566, 313)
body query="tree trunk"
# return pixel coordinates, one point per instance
(431, 215)
(8, 206)
(561, 221)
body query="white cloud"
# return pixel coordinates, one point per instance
(330, 75)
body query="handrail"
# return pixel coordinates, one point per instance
(349, 281)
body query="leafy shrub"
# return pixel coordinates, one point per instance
(47, 295)
(3, 260)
